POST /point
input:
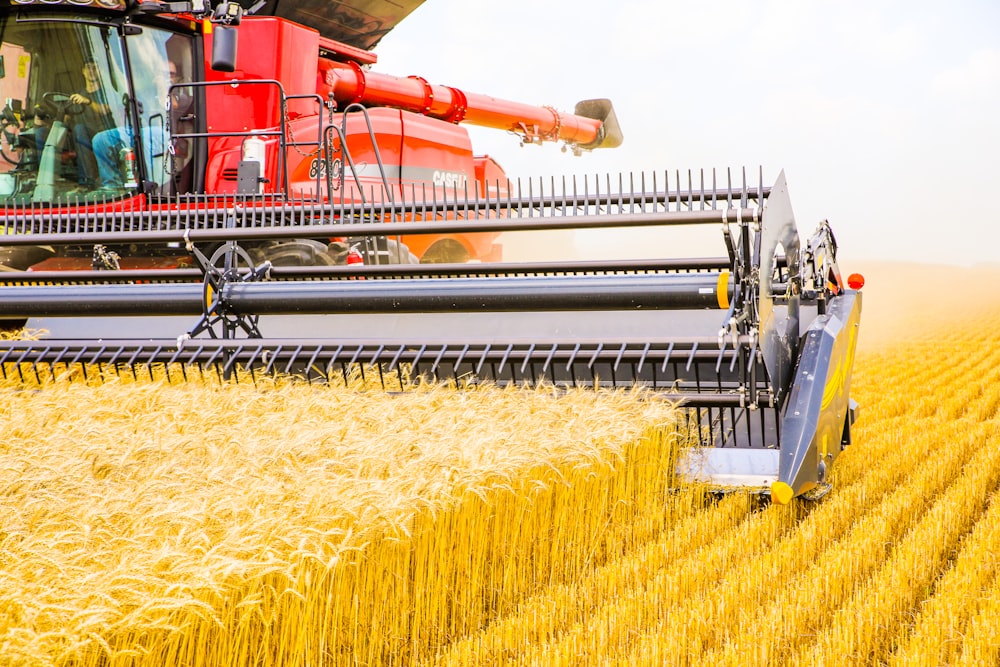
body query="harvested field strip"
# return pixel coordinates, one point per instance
(869, 626)
(767, 632)
(979, 645)
(958, 596)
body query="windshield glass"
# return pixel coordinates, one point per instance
(66, 135)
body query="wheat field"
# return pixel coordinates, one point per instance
(151, 524)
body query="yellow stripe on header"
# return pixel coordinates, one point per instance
(722, 290)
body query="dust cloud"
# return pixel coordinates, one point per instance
(904, 301)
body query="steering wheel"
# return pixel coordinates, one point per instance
(62, 103)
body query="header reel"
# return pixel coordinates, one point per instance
(756, 344)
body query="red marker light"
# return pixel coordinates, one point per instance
(855, 281)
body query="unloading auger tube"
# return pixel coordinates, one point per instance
(756, 344)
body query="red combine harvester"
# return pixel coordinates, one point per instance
(174, 205)
(125, 105)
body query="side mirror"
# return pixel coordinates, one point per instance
(224, 48)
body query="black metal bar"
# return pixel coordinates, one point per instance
(122, 276)
(511, 206)
(508, 294)
(103, 300)
(565, 363)
(328, 230)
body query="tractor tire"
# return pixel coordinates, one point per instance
(399, 253)
(446, 251)
(296, 252)
(21, 258)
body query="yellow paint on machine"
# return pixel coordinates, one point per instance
(838, 379)
(722, 290)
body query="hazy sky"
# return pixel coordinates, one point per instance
(885, 115)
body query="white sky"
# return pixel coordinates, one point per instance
(884, 114)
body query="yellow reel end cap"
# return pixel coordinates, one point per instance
(781, 493)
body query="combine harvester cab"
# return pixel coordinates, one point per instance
(236, 256)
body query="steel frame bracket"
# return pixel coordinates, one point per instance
(229, 264)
